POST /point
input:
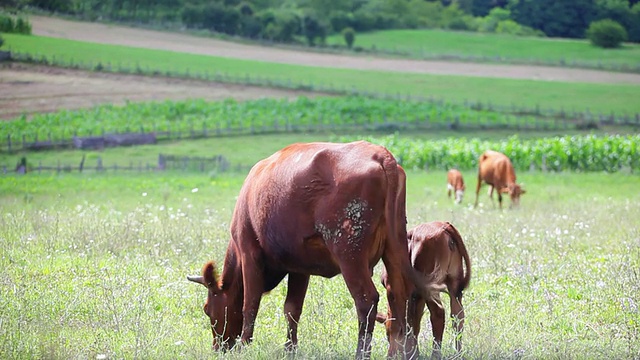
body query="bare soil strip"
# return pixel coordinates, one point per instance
(120, 35)
(26, 89)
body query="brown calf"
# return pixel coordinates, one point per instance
(437, 247)
(455, 183)
(496, 169)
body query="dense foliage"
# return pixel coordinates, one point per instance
(575, 153)
(314, 19)
(14, 24)
(606, 33)
(188, 115)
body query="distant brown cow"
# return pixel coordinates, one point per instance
(455, 184)
(496, 169)
(438, 247)
(316, 209)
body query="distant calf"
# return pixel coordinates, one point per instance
(496, 169)
(436, 248)
(455, 184)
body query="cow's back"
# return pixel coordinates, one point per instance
(495, 168)
(300, 200)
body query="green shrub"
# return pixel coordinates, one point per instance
(23, 26)
(7, 24)
(464, 23)
(10, 24)
(606, 33)
(1, 41)
(349, 36)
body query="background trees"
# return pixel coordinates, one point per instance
(311, 21)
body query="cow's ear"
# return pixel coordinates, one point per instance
(381, 318)
(210, 276)
(504, 190)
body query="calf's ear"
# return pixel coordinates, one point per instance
(504, 190)
(381, 318)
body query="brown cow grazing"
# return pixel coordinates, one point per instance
(455, 183)
(316, 209)
(496, 169)
(437, 247)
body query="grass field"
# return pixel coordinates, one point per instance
(94, 267)
(618, 98)
(467, 44)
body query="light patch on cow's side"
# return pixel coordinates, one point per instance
(353, 222)
(459, 195)
(350, 223)
(450, 187)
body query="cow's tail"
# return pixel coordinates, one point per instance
(429, 285)
(457, 238)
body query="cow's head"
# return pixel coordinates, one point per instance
(514, 191)
(222, 307)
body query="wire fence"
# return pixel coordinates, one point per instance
(166, 162)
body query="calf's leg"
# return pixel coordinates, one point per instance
(457, 318)
(437, 324)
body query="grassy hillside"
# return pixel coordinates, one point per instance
(596, 97)
(429, 43)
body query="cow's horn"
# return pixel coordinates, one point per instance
(197, 279)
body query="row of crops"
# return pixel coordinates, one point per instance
(576, 153)
(321, 112)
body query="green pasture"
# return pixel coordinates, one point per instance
(433, 43)
(93, 266)
(607, 98)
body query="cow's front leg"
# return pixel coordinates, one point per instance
(253, 282)
(297, 289)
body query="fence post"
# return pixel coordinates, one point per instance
(162, 162)
(82, 163)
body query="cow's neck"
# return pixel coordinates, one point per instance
(232, 276)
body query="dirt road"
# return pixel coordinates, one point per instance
(119, 35)
(26, 89)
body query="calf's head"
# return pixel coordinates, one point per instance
(224, 311)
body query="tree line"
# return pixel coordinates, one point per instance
(313, 20)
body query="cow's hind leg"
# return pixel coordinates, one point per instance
(365, 295)
(437, 324)
(478, 190)
(402, 340)
(297, 289)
